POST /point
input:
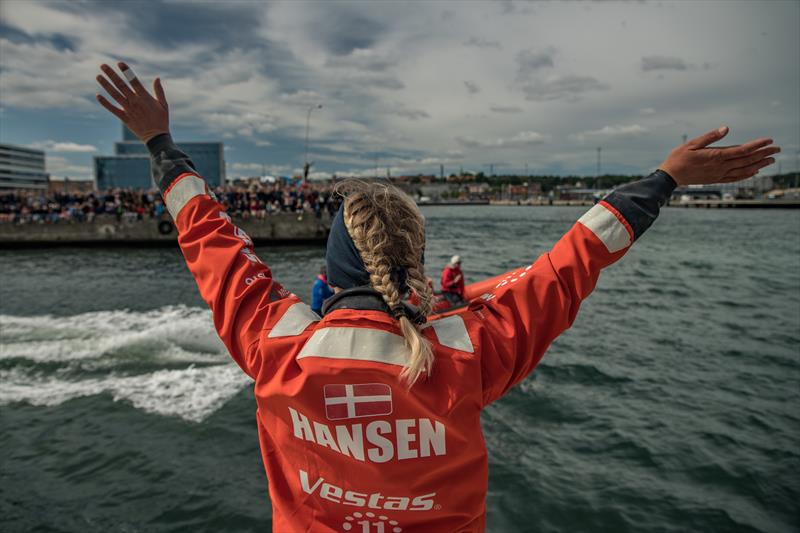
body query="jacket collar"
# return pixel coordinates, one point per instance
(366, 298)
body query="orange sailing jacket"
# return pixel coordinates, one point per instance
(347, 448)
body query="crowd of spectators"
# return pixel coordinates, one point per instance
(256, 201)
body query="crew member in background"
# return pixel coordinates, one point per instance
(321, 291)
(369, 417)
(453, 282)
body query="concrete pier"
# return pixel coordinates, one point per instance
(106, 230)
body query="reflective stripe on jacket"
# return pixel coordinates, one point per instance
(346, 446)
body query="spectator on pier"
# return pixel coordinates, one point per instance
(258, 201)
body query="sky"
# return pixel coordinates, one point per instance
(407, 87)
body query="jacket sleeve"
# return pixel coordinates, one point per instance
(528, 309)
(239, 288)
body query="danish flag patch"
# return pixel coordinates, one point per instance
(357, 401)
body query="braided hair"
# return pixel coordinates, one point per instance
(388, 231)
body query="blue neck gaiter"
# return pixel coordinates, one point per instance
(345, 266)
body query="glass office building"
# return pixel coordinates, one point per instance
(22, 168)
(129, 167)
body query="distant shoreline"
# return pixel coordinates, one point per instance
(705, 204)
(467, 202)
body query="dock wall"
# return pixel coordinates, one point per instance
(283, 228)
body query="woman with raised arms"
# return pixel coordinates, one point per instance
(369, 416)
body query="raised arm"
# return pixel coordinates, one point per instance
(244, 299)
(533, 305)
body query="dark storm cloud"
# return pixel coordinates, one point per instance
(529, 61)
(231, 28)
(508, 7)
(478, 42)
(58, 41)
(410, 114)
(472, 87)
(570, 87)
(505, 109)
(224, 29)
(468, 142)
(382, 82)
(663, 63)
(346, 30)
(520, 140)
(229, 25)
(361, 62)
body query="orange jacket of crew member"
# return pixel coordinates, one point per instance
(453, 278)
(346, 445)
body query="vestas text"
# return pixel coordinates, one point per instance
(375, 500)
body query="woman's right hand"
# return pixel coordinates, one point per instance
(695, 163)
(144, 115)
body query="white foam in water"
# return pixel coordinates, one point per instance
(100, 340)
(191, 393)
(168, 331)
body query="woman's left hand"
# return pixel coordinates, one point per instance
(697, 163)
(144, 115)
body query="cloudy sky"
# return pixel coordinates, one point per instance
(410, 86)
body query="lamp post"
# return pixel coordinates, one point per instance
(307, 165)
(599, 149)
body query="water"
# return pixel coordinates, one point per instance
(671, 404)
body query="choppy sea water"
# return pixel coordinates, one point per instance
(671, 404)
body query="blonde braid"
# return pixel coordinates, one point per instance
(418, 282)
(388, 231)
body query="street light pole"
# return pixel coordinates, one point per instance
(307, 165)
(599, 149)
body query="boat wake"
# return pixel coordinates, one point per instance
(167, 361)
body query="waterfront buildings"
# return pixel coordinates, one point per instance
(22, 168)
(68, 186)
(130, 164)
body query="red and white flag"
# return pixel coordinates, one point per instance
(356, 401)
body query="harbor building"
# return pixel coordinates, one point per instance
(129, 167)
(22, 168)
